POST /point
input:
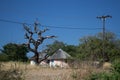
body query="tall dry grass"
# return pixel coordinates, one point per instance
(79, 71)
(10, 72)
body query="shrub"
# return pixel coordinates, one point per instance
(3, 57)
(116, 66)
(96, 76)
(113, 75)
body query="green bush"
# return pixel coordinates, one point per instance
(116, 66)
(104, 76)
(3, 57)
(98, 76)
(113, 75)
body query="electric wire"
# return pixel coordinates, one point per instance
(3, 20)
(78, 28)
(71, 27)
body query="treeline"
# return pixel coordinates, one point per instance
(13, 52)
(89, 48)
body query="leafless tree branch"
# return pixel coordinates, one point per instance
(36, 43)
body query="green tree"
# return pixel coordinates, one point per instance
(15, 52)
(92, 46)
(72, 50)
(55, 46)
(3, 57)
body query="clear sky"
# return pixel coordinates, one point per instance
(58, 13)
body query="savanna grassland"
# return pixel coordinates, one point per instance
(25, 71)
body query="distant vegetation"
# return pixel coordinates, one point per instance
(90, 47)
(13, 52)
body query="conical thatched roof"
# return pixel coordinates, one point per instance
(60, 54)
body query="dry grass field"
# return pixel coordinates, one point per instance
(31, 72)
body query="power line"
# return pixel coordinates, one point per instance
(71, 27)
(9, 21)
(3, 20)
(15, 22)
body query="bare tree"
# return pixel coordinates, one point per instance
(31, 41)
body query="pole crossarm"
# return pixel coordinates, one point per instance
(104, 17)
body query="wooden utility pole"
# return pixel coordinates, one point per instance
(103, 18)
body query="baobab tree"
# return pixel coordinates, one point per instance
(33, 43)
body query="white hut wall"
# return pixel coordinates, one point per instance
(60, 63)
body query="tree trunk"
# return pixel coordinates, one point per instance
(37, 57)
(106, 58)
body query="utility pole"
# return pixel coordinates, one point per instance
(103, 18)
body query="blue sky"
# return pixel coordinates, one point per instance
(58, 13)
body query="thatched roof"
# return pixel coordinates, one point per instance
(60, 54)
